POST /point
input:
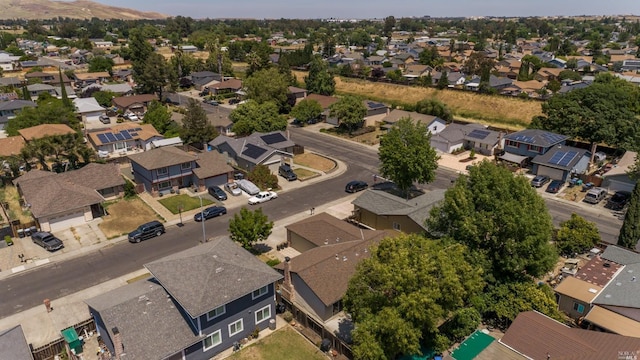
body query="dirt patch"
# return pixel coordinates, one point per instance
(124, 216)
(573, 193)
(314, 161)
(9, 195)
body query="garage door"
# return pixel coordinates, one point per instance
(216, 180)
(441, 146)
(66, 221)
(555, 174)
(615, 185)
(94, 118)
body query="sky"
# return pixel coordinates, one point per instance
(363, 9)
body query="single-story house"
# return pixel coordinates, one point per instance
(9, 110)
(196, 304)
(45, 130)
(119, 89)
(482, 140)
(297, 93)
(13, 81)
(382, 210)
(227, 86)
(202, 79)
(59, 201)
(561, 161)
(268, 149)
(376, 111)
(325, 102)
(89, 109)
(167, 168)
(13, 344)
(8, 62)
(36, 89)
(433, 123)
(618, 179)
(85, 79)
(48, 78)
(449, 139)
(124, 137)
(11, 146)
(134, 103)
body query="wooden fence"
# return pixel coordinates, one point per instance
(50, 350)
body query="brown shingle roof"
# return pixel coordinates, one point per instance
(211, 163)
(233, 84)
(578, 289)
(126, 101)
(96, 176)
(44, 130)
(147, 132)
(325, 101)
(11, 145)
(598, 271)
(91, 76)
(161, 157)
(323, 227)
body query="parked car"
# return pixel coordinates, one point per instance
(248, 187)
(555, 186)
(595, 195)
(146, 231)
(210, 212)
(287, 172)
(234, 101)
(211, 102)
(233, 189)
(105, 119)
(618, 200)
(47, 241)
(262, 196)
(355, 186)
(217, 193)
(132, 117)
(539, 181)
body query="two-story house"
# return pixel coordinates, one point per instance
(196, 304)
(522, 146)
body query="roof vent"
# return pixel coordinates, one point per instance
(633, 279)
(338, 239)
(337, 257)
(606, 265)
(344, 258)
(219, 270)
(618, 284)
(592, 290)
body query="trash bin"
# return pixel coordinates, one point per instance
(272, 324)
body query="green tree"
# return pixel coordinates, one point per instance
(569, 74)
(249, 227)
(196, 128)
(141, 49)
(630, 231)
(158, 116)
(461, 324)
(104, 97)
(389, 24)
(154, 76)
(406, 155)
(350, 111)
(50, 111)
(499, 217)
(434, 107)
(319, 80)
(268, 85)
(66, 102)
(576, 235)
(250, 117)
(101, 63)
(306, 110)
(572, 64)
(263, 178)
(400, 294)
(443, 82)
(554, 86)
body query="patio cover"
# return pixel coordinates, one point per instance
(518, 159)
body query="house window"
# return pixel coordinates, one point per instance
(235, 328)
(578, 307)
(535, 148)
(216, 312)
(396, 226)
(263, 314)
(257, 293)
(163, 171)
(212, 340)
(511, 143)
(185, 166)
(164, 185)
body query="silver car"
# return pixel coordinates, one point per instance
(233, 189)
(539, 181)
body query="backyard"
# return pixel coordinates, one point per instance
(125, 215)
(9, 195)
(186, 202)
(284, 344)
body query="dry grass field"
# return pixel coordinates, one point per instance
(314, 161)
(124, 216)
(500, 111)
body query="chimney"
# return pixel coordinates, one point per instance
(118, 347)
(287, 285)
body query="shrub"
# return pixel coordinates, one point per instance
(263, 178)
(287, 316)
(255, 333)
(273, 262)
(8, 240)
(129, 189)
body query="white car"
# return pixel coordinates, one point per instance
(262, 196)
(133, 117)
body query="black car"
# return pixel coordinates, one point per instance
(234, 101)
(47, 241)
(217, 193)
(146, 231)
(618, 200)
(355, 186)
(555, 186)
(287, 172)
(210, 212)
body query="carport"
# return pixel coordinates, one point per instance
(513, 158)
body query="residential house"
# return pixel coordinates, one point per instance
(48, 78)
(376, 111)
(8, 62)
(9, 110)
(383, 210)
(495, 82)
(325, 102)
(45, 130)
(221, 122)
(548, 74)
(188, 48)
(71, 93)
(559, 63)
(11, 146)
(36, 89)
(480, 139)
(531, 88)
(405, 59)
(196, 304)
(123, 75)
(13, 345)
(374, 60)
(89, 109)
(11, 82)
(116, 58)
(226, 86)
(72, 198)
(529, 143)
(203, 79)
(631, 65)
(169, 168)
(416, 71)
(135, 103)
(123, 139)
(8, 96)
(433, 123)
(86, 79)
(618, 179)
(118, 89)
(269, 149)
(297, 93)
(454, 78)
(450, 139)
(561, 162)
(107, 45)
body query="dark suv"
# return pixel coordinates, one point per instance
(47, 241)
(287, 172)
(618, 200)
(146, 231)
(355, 186)
(217, 193)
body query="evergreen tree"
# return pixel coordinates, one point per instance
(443, 82)
(630, 231)
(63, 93)
(319, 80)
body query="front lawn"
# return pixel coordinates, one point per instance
(124, 215)
(284, 344)
(173, 203)
(314, 161)
(304, 174)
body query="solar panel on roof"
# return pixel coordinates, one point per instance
(555, 159)
(111, 137)
(375, 105)
(478, 134)
(273, 138)
(137, 129)
(552, 138)
(118, 136)
(103, 139)
(568, 157)
(253, 151)
(126, 135)
(133, 133)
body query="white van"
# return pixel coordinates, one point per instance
(595, 195)
(248, 187)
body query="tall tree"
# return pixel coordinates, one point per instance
(196, 128)
(399, 295)
(250, 117)
(389, 24)
(406, 155)
(154, 76)
(576, 235)
(158, 116)
(501, 218)
(140, 51)
(350, 111)
(435, 107)
(630, 231)
(101, 63)
(268, 85)
(249, 227)
(443, 82)
(306, 110)
(319, 80)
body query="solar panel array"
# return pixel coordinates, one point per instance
(375, 105)
(563, 158)
(552, 138)
(122, 135)
(523, 138)
(273, 138)
(253, 151)
(479, 134)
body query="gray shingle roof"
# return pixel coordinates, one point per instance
(16, 104)
(161, 157)
(210, 275)
(536, 137)
(257, 139)
(13, 345)
(453, 133)
(620, 255)
(623, 289)
(545, 158)
(396, 114)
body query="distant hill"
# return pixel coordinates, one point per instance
(79, 9)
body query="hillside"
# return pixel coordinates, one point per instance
(80, 9)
